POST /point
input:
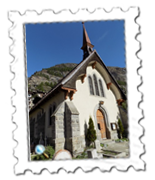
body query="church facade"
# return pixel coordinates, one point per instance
(89, 90)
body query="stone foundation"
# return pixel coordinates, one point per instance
(75, 145)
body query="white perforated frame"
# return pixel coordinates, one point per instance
(19, 83)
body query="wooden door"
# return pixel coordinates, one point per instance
(101, 123)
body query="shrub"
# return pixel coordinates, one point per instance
(102, 145)
(91, 132)
(48, 150)
(83, 155)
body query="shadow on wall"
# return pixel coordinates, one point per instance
(85, 133)
(108, 134)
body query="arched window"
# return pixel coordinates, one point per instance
(51, 111)
(91, 85)
(101, 88)
(96, 85)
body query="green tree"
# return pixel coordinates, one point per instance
(91, 132)
(121, 128)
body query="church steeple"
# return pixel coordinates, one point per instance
(87, 46)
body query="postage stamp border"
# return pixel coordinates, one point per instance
(18, 11)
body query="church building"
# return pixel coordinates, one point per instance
(89, 90)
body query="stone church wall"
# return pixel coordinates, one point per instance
(74, 142)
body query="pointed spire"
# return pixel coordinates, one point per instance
(87, 46)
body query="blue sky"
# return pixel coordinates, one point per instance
(56, 43)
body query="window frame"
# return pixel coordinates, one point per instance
(91, 85)
(96, 86)
(102, 94)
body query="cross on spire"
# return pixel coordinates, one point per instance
(87, 46)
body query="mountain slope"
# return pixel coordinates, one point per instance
(44, 80)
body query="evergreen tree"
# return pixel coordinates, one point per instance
(121, 128)
(91, 133)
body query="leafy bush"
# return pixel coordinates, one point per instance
(91, 132)
(102, 145)
(120, 140)
(48, 150)
(83, 155)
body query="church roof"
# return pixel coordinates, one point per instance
(69, 81)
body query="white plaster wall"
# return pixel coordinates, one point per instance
(87, 104)
(57, 99)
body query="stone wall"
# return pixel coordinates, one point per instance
(32, 125)
(58, 138)
(41, 126)
(74, 142)
(65, 129)
(37, 127)
(114, 134)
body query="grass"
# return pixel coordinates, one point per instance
(123, 139)
(84, 154)
(103, 145)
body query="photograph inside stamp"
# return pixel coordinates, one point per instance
(77, 90)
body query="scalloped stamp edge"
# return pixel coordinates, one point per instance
(10, 125)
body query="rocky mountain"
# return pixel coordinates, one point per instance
(44, 80)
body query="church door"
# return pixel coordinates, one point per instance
(101, 123)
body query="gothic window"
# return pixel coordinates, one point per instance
(96, 85)
(101, 88)
(91, 85)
